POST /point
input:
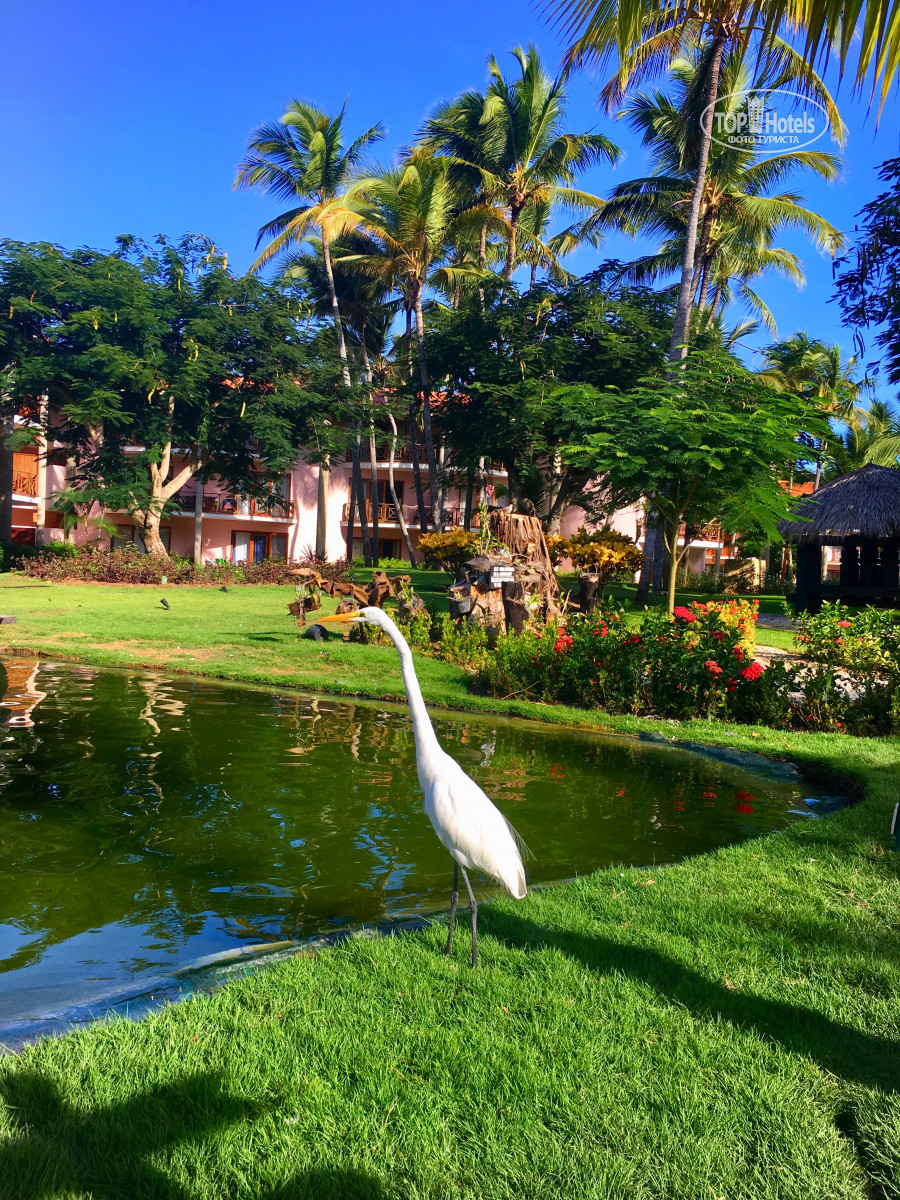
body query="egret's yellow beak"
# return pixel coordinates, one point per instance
(339, 618)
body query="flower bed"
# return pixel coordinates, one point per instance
(696, 665)
(860, 640)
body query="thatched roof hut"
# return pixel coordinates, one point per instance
(860, 512)
(860, 504)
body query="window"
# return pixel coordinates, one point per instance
(255, 547)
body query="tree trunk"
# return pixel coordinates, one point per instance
(437, 516)
(514, 211)
(671, 541)
(373, 449)
(350, 518)
(652, 548)
(360, 499)
(335, 310)
(470, 495)
(7, 426)
(680, 331)
(198, 523)
(322, 510)
(401, 521)
(417, 474)
(149, 519)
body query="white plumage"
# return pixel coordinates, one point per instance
(471, 827)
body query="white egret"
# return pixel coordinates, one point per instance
(474, 831)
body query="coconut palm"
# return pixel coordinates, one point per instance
(302, 158)
(741, 213)
(818, 372)
(645, 39)
(412, 212)
(872, 436)
(509, 146)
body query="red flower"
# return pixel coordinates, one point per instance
(752, 672)
(685, 614)
(738, 654)
(843, 624)
(712, 667)
(719, 635)
(563, 642)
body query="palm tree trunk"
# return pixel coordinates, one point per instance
(360, 498)
(335, 310)
(482, 254)
(350, 518)
(325, 465)
(393, 488)
(373, 450)
(514, 211)
(437, 516)
(680, 330)
(417, 474)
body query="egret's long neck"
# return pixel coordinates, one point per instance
(422, 727)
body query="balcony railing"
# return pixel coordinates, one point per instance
(239, 506)
(403, 454)
(387, 515)
(25, 474)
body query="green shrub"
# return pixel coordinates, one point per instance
(860, 640)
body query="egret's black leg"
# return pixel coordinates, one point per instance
(454, 900)
(473, 908)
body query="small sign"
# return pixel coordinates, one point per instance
(502, 573)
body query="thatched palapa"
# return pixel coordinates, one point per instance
(860, 504)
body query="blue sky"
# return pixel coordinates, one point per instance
(130, 118)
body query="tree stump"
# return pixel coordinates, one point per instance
(587, 592)
(514, 606)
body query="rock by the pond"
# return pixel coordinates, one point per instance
(7, 619)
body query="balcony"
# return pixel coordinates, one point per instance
(239, 506)
(25, 474)
(403, 457)
(387, 515)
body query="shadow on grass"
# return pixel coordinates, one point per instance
(107, 1152)
(857, 1057)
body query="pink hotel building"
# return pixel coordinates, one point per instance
(282, 524)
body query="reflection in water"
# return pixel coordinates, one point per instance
(147, 821)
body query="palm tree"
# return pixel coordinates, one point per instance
(739, 216)
(302, 158)
(872, 436)
(412, 213)
(817, 371)
(645, 39)
(509, 146)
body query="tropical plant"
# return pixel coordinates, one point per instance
(872, 435)
(606, 554)
(302, 158)
(817, 371)
(509, 146)
(412, 213)
(710, 444)
(645, 39)
(741, 213)
(868, 285)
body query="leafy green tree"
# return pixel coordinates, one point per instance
(710, 444)
(509, 146)
(161, 366)
(872, 435)
(502, 368)
(868, 280)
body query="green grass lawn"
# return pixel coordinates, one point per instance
(726, 1027)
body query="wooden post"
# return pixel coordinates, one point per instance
(809, 577)
(587, 592)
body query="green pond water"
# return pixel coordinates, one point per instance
(148, 821)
